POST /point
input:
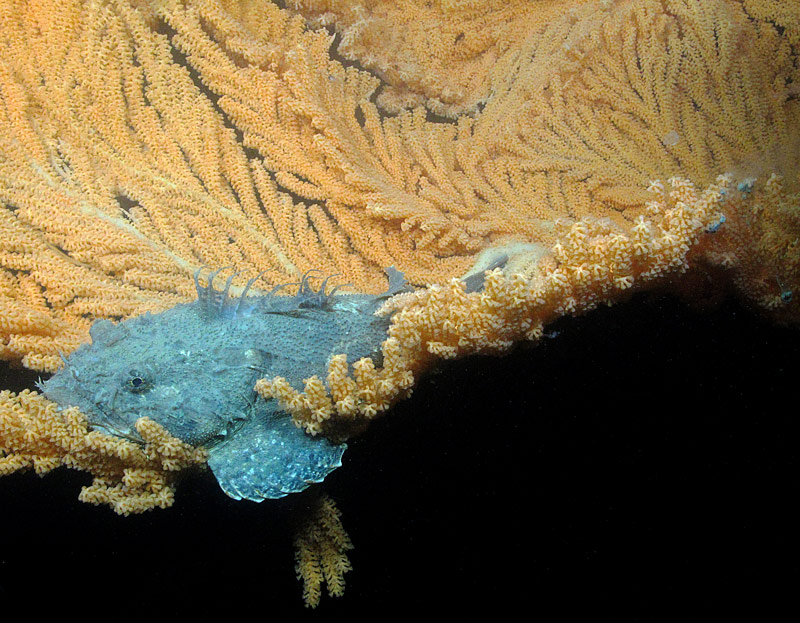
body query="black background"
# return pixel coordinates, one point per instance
(641, 465)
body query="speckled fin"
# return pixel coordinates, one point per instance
(269, 457)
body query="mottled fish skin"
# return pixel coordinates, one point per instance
(192, 369)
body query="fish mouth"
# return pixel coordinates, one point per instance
(77, 395)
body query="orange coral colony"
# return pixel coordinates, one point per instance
(601, 147)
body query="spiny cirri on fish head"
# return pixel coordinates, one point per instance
(192, 369)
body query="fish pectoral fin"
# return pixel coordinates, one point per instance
(269, 458)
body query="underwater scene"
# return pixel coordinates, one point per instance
(416, 306)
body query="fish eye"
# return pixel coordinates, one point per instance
(137, 381)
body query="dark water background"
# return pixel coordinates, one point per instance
(642, 465)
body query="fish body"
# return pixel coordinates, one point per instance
(192, 369)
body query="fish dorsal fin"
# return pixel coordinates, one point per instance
(474, 283)
(397, 282)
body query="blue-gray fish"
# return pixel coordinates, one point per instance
(192, 369)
